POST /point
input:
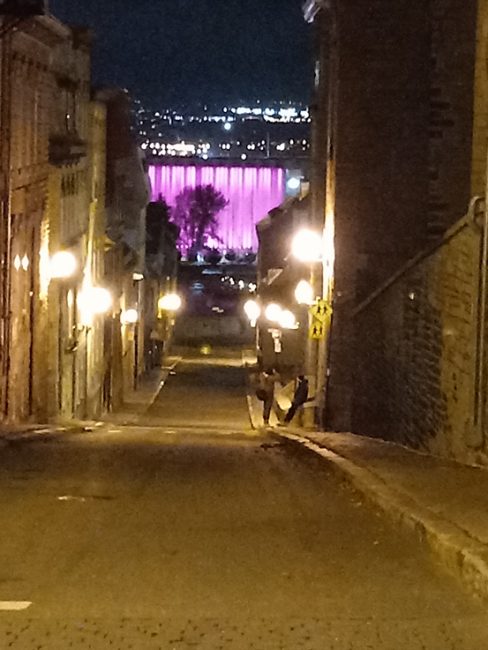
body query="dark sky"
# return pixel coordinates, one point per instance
(176, 51)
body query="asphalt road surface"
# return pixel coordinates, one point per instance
(192, 531)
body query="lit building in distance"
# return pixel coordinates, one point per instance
(252, 191)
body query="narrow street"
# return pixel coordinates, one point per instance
(192, 530)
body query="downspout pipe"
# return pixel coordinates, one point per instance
(482, 304)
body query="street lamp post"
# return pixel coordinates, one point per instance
(314, 249)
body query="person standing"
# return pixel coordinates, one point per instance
(300, 396)
(267, 381)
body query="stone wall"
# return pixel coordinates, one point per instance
(480, 103)
(405, 147)
(417, 348)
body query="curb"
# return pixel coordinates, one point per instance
(45, 432)
(41, 434)
(166, 370)
(461, 554)
(247, 362)
(250, 411)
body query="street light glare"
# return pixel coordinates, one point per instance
(228, 126)
(287, 320)
(129, 317)
(98, 299)
(293, 183)
(304, 293)
(170, 302)
(62, 264)
(307, 246)
(92, 301)
(273, 312)
(252, 310)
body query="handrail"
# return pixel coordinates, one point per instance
(467, 220)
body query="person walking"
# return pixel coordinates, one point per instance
(267, 381)
(300, 396)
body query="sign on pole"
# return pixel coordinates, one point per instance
(320, 310)
(320, 315)
(317, 330)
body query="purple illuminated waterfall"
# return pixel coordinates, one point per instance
(251, 191)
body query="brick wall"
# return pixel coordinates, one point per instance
(416, 351)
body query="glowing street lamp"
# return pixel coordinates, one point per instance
(62, 265)
(287, 320)
(273, 312)
(294, 183)
(97, 299)
(304, 293)
(129, 317)
(92, 301)
(170, 302)
(253, 311)
(307, 246)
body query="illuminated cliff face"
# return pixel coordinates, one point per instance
(251, 191)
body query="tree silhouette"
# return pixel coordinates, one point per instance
(157, 218)
(196, 213)
(161, 238)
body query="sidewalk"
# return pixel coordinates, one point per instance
(137, 402)
(135, 405)
(12, 433)
(444, 501)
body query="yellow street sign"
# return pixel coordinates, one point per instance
(320, 310)
(317, 330)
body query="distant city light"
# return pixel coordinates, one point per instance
(228, 126)
(293, 183)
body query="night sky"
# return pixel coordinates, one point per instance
(174, 52)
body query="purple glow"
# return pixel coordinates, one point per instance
(251, 191)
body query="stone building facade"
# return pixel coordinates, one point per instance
(69, 219)
(405, 149)
(25, 109)
(127, 195)
(55, 151)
